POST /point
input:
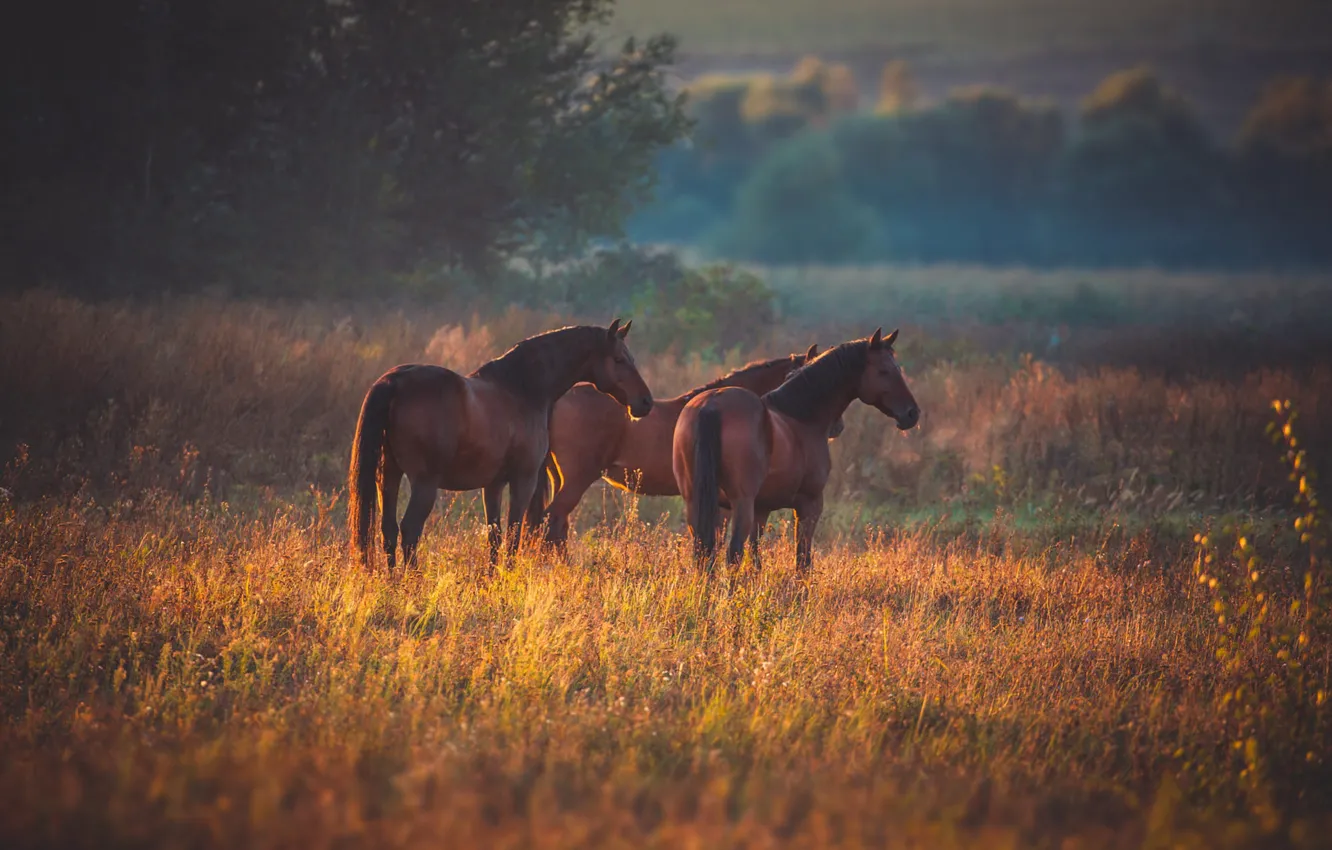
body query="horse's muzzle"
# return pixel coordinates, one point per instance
(908, 420)
(641, 408)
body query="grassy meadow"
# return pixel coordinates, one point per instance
(1073, 609)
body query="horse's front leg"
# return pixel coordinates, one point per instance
(521, 489)
(808, 510)
(492, 494)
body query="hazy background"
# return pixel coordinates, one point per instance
(1181, 134)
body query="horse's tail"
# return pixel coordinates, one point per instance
(705, 501)
(367, 451)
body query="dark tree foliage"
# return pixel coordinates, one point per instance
(163, 140)
(1141, 173)
(1285, 166)
(794, 208)
(956, 181)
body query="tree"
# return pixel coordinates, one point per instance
(958, 180)
(1292, 120)
(796, 208)
(1140, 145)
(898, 89)
(382, 132)
(1142, 181)
(1285, 153)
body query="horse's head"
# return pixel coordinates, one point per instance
(613, 372)
(883, 385)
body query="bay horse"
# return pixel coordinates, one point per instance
(591, 437)
(767, 453)
(486, 430)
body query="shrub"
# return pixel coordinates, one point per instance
(609, 280)
(710, 311)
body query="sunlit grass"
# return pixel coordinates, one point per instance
(189, 674)
(1003, 641)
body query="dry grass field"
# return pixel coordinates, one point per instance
(1010, 635)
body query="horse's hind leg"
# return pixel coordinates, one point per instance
(760, 526)
(389, 481)
(576, 482)
(742, 526)
(419, 506)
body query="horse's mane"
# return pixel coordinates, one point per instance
(802, 393)
(729, 379)
(534, 364)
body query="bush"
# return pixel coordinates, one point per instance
(610, 279)
(706, 311)
(710, 311)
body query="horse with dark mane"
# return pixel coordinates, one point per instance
(762, 454)
(486, 430)
(591, 437)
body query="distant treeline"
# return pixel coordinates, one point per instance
(797, 170)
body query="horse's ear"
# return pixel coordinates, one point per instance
(624, 331)
(813, 352)
(892, 338)
(613, 329)
(876, 341)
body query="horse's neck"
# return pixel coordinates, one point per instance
(833, 408)
(829, 405)
(538, 374)
(566, 368)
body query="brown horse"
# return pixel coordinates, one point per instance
(765, 454)
(486, 430)
(590, 436)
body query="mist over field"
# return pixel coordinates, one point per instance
(1084, 602)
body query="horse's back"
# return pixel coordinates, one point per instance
(454, 429)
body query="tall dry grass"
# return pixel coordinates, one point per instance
(188, 656)
(188, 676)
(237, 398)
